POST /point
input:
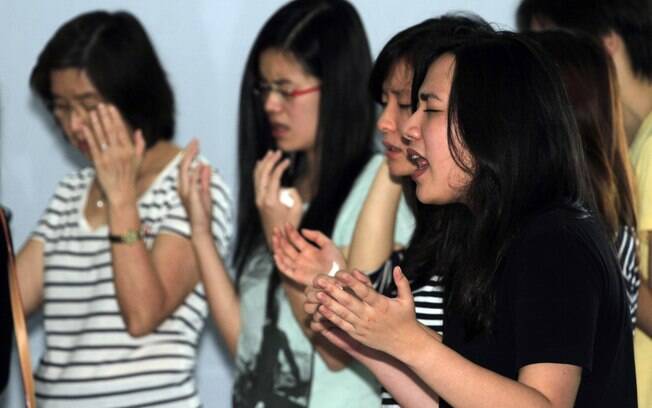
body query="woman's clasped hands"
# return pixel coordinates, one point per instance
(303, 256)
(349, 302)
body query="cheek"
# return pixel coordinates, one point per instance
(307, 120)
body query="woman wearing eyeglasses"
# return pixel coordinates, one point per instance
(306, 126)
(110, 261)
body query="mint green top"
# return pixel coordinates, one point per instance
(299, 367)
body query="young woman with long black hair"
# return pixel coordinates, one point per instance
(536, 313)
(390, 84)
(306, 128)
(589, 77)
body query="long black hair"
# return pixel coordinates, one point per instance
(509, 110)
(430, 35)
(119, 59)
(327, 38)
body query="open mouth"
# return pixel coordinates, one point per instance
(420, 162)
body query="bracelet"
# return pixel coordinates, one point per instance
(129, 237)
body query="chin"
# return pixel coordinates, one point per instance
(431, 197)
(400, 169)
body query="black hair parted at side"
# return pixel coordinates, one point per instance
(631, 19)
(328, 39)
(509, 110)
(437, 31)
(119, 59)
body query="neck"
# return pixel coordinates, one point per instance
(636, 96)
(308, 181)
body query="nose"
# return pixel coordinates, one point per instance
(272, 102)
(411, 130)
(76, 120)
(386, 123)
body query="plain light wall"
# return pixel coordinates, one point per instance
(203, 45)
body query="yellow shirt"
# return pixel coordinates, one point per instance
(641, 156)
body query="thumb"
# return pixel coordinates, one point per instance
(402, 284)
(316, 236)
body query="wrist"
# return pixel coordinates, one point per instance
(201, 236)
(130, 237)
(121, 200)
(417, 341)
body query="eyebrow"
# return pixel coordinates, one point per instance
(85, 95)
(399, 92)
(425, 96)
(280, 81)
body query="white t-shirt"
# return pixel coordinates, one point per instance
(90, 359)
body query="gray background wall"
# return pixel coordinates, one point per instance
(203, 45)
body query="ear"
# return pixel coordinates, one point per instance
(612, 42)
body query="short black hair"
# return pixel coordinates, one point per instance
(119, 59)
(631, 19)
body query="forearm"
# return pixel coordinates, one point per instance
(376, 220)
(406, 388)
(139, 289)
(644, 312)
(649, 255)
(463, 383)
(29, 268)
(334, 358)
(222, 297)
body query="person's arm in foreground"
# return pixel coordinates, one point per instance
(405, 387)
(390, 326)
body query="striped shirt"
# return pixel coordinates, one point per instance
(626, 247)
(428, 304)
(90, 359)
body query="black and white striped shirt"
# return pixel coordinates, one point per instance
(626, 246)
(90, 359)
(428, 304)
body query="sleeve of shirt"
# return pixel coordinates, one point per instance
(643, 169)
(176, 219)
(556, 282)
(58, 207)
(222, 215)
(382, 278)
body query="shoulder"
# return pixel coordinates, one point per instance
(641, 149)
(560, 246)
(218, 186)
(72, 187)
(76, 181)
